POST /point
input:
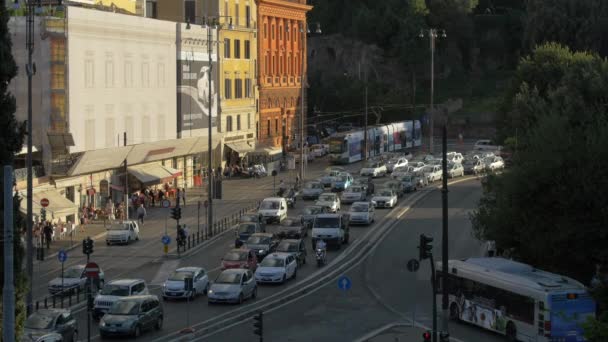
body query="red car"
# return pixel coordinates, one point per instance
(240, 258)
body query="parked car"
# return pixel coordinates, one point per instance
(433, 173)
(394, 163)
(361, 212)
(174, 288)
(355, 193)
(244, 230)
(131, 316)
(485, 145)
(455, 170)
(330, 201)
(309, 213)
(123, 232)
(495, 163)
(385, 198)
(292, 228)
(114, 290)
(262, 244)
(296, 247)
(374, 169)
(342, 182)
(473, 166)
(233, 286)
(240, 258)
(312, 190)
(277, 268)
(74, 278)
(48, 322)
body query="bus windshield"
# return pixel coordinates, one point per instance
(336, 146)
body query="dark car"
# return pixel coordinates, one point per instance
(295, 247)
(244, 230)
(290, 197)
(131, 316)
(309, 213)
(262, 244)
(48, 321)
(253, 217)
(292, 228)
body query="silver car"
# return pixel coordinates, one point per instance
(312, 190)
(355, 193)
(131, 316)
(233, 286)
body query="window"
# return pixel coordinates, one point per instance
(265, 30)
(280, 32)
(151, 9)
(227, 88)
(160, 128)
(248, 88)
(267, 64)
(226, 48)
(276, 125)
(247, 49)
(272, 32)
(237, 48)
(89, 74)
(128, 74)
(145, 75)
(129, 127)
(109, 74)
(145, 128)
(281, 65)
(274, 65)
(268, 128)
(289, 65)
(226, 8)
(238, 88)
(236, 14)
(58, 76)
(89, 132)
(287, 31)
(247, 16)
(238, 122)
(110, 138)
(160, 74)
(190, 11)
(248, 120)
(228, 123)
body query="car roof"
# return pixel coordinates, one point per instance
(189, 269)
(329, 193)
(329, 215)
(274, 199)
(279, 255)
(52, 311)
(138, 298)
(292, 240)
(125, 281)
(234, 271)
(366, 203)
(242, 249)
(262, 234)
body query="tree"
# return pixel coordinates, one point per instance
(549, 209)
(11, 140)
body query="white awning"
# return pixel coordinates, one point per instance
(240, 147)
(149, 174)
(59, 206)
(271, 151)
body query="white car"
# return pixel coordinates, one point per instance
(486, 145)
(455, 170)
(374, 169)
(495, 163)
(174, 287)
(454, 157)
(402, 171)
(122, 232)
(114, 290)
(312, 190)
(355, 193)
(233, 286)
(317, 150)
(361, 212)
(277, 268)
(384, 198)
(330, 201)
(432, 173)
(395, 163)
(417, 166)
(73, 279)
(473, 166)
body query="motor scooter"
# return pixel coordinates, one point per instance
(321, 257)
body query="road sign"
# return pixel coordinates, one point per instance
(206, 204)
(44, 202)
(166, 239)
(62, 256)
(166, 203)
(344, 283)
(92, 270)
(413, 265)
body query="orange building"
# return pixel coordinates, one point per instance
(281, 60)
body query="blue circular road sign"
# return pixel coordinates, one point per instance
(166, 239)
(62, 256)
(344, 283)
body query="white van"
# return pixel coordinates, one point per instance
(273, 209)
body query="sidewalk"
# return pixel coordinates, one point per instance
(94, 230)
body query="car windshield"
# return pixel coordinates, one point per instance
(119, 226)
(313, 186)
(356, 189)
(236, 256)
(311, 210)
(228, 278)
(394, 161)
(373, 165)
(342, 179)
(406, 179)
(181, 275)
(358, 208)
(287, 246)
(428, 168)
(125, 307)
(258, 240)
(39, 320)
(269, 205)
(115, 290)
(249, 218)
(470, 162)
(272, 262)
(247, 228)
(385, 193)
(327, 198)
(73, 273)
(327, 222)
(290, 223)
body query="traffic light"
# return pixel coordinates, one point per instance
(40, 253)
(42, 215)
(444, 336)
(87, 246)
(217, 189)
(425, 248)
(258, 324)
(176, 213)
(426, 336)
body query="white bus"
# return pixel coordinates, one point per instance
(517, 300)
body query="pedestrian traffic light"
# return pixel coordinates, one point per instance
(426, 336)
(444, 336)
(176, 213)
(258, 324)
(425, 247)
(42, 215)
(87, 246)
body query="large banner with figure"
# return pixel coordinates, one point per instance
(195, 82)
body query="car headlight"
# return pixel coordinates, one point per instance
(262, 251)
(102, 323)
(209, 291)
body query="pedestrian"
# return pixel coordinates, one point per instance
(83, 219)
(184, 195)
(490, 248)
(153, 197)
(141, 213)
(178, 196)
(48, 234)
(70, 228)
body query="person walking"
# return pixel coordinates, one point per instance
(48, 234)
(83, 219)
(184, 195)
(178, 196)
(141, 214)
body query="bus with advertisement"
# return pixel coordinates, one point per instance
(517, 300)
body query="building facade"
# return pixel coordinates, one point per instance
(281, 61)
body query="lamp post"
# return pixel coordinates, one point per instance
(433, 34)
(211, 22)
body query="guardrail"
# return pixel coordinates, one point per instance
(67, 297)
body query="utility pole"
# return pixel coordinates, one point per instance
(8, 307)
(444, 239)
(365, 134)
(433, 35)
(126, 201)
(210, 166)
(303, 57)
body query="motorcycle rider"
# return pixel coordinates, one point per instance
(282, 188)
(322, 247)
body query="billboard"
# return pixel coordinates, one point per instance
(195, 82)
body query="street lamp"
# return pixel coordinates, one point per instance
(209, 23)
(433, 34)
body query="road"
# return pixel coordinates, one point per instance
(383, 291)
